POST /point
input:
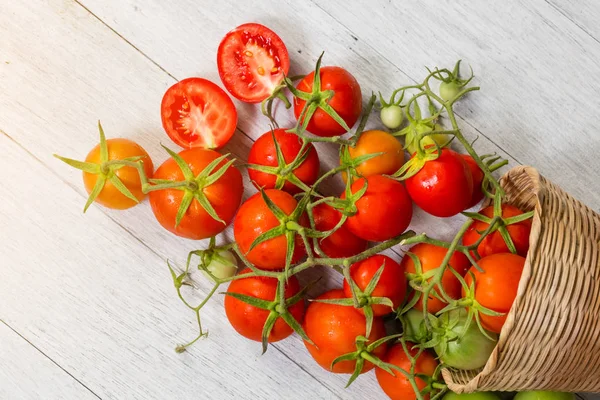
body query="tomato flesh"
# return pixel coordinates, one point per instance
(197, 113)
(252, 61)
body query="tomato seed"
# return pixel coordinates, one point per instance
(261, 71)
(248, 53)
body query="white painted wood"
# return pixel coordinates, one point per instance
(26, 374)
(583, 13)
(99, 280)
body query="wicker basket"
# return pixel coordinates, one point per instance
(551, 338)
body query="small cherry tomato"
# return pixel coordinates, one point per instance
(478, 176)
(421, 127)
(197, 113)
(340, 244)
(397, 386)
(431, 257)
(249, 320)
(333, 330)
(252, 61)
(346, 101)
(449, 90)
(383, 212)
(263, 152)
(224, 195)
(496, 287)
(392, 116)
(391, 284)
(255, 218)
(444, 186)
(494, 242)
(374, 141)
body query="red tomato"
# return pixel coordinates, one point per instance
(340, 244)
(197, 113)
(391, 284)
(333, 330)
(224, 195)
(496, 288)
(384, 210)
(249, 320)
(431, 257)
(443, 187)
(397, 386)
(254, 218)
(252, 61)
(494, 243)
(347, 101)
(478, 176)
(263, 153)
(110, 196)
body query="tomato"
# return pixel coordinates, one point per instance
(346, 101)
(431, 257)
(374, 141)
(340, 244)
(383, 212)
(496, 288)
(494, 243)
(392, 116)
(224, 195)
(263, 152)
(471, 396)
(252, 61)
(397, 386)
(333, 330)
(449, 90)
(544, 395)
(254, 218)
(414, 327)
(478, 176)
(249, 320)
(110, 196)
(221, 265)
(443, 187)
(459, 349)
(197, 113)
(391, 284)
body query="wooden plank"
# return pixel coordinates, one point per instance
(584, 14)
(25, 373)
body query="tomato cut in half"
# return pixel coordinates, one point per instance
(197, 113)
(252, 61)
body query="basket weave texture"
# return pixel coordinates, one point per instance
(551, 338)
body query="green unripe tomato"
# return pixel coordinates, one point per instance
(415, 329)
(392, 116)
(463, 350)
(544, 395)
(471, 396)
(222, 265)
(449, 90)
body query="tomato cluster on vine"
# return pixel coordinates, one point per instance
(450, 298)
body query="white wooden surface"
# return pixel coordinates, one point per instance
(87, 303)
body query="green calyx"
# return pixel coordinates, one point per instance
(278, 308)
(364, 353)
(106, 170)
(285, 171)
(193, 186)
(317, 99)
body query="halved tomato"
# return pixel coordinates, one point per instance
(252, 60)
(197, 113)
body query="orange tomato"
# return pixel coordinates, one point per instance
(333, 330)
(496, 287)
(397, 386)
(431, 257)
(110, 196)
(494, 243)
(375, 141)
